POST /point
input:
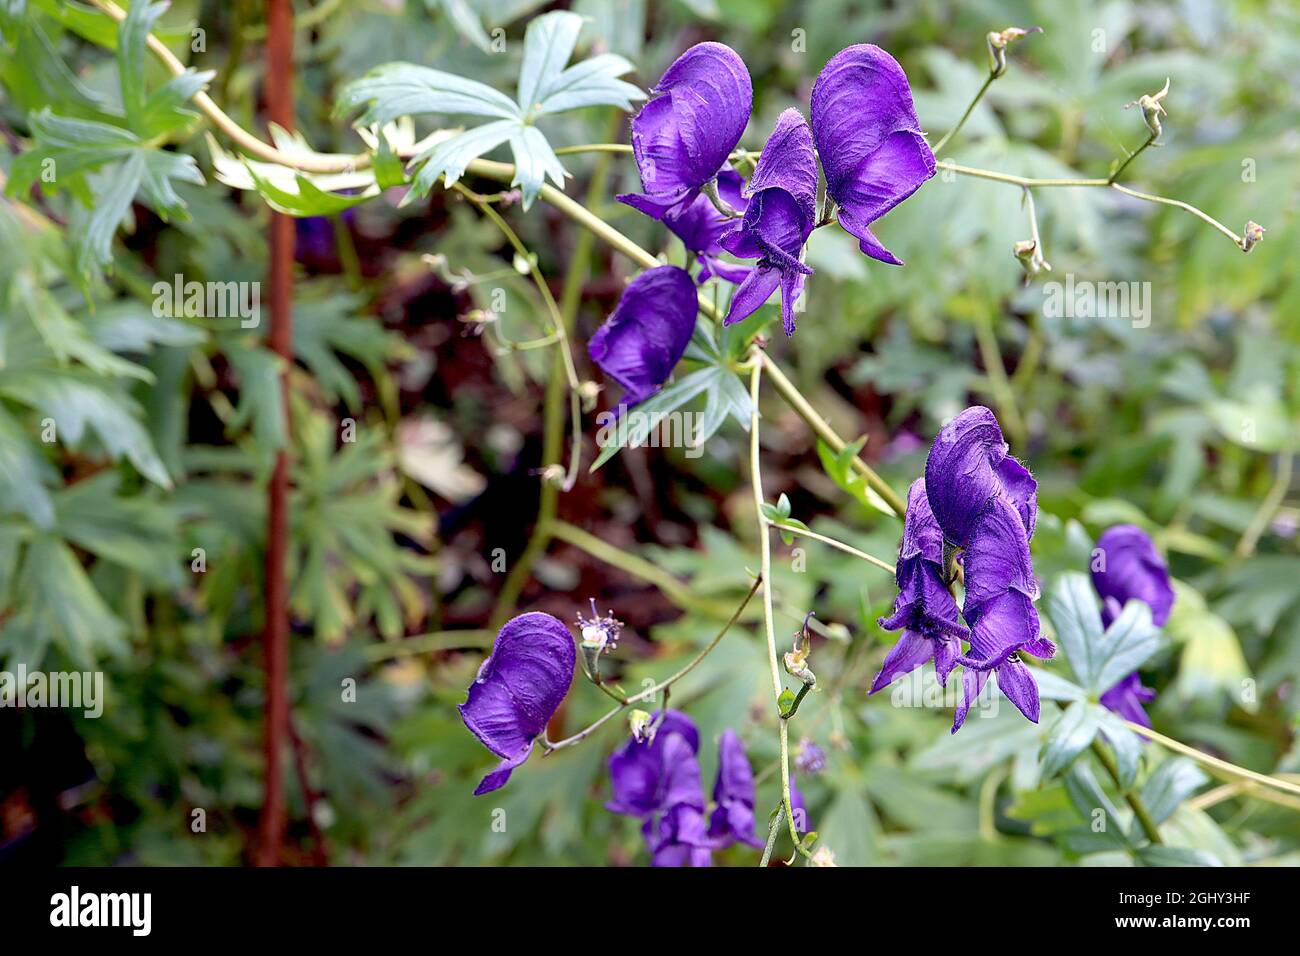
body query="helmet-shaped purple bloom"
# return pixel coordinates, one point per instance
(645, 337)
(924, 608)
(518, 689)
(1131, 569)
(869, 139)
(682, 137)
(781, 214)
(658, 781)
(700, 225)
(967, 467)
(733, 792)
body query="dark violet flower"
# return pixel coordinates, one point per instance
(641, 343)
(1127, 697)
(999, 609)
(1131, 569)
(799, 808)
(733, 792)
(682, 137)
(658, 781)
(809, 758)
(518, 689)
(924, 608)
(968, 466)
(781, 214)
(869, 139)
(700, 225)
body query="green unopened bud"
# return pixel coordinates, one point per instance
(1151, 108)
(1031, 259)
(639, 723)
(1253, 234)
(998, 42)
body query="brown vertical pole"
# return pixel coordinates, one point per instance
(279, 108)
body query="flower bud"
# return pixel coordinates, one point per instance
(638, 723)
(587, 392)
(796, 659)
(998, 42)
(1030, 258)
(1253, 234)
(552, 473)
(1151, 108)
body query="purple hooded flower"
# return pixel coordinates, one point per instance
(641, 343)
(781, 214)
(518, 689)
(1127, 697)
(869, 140)
(1133, 570)
(924, 608)
(700, 226)
(999, 609)
(733, 792)
(967, 467)
(682, 137)
(658, 781)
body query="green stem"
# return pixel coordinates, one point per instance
(1131, 156)
(772, 830)
(765, 557)
(1134, 800)
(662, 687)
(999, 384)
(1215, 764)
(834, 543)
(988, 81)
(1268, 507)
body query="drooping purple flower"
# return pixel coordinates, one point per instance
(641, 343)
(733, 792)
(967, 467)
(682, 137)
(924, 608)
(781, 214)
(658, 781)
(999, 609)
(700, 225)
(869, 139)
(518, 689)
(1127, 697)
(1131, 569)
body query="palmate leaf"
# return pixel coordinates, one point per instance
(545, 87)
(1100, 658)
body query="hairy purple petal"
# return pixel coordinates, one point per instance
(683, 136)
(641, 343)
(869, 139)
(518, 689)
(968, 466)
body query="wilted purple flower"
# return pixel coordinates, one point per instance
(781, 214)
(967, 467)
(924, 608)
(641, 343)
(700, 225)
(999, 609)
(733, 792)
(809, 758)
(518, 689)
(1131, 570)
(682, 137)
(869, 139)
(658, 781)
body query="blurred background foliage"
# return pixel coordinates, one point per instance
(167, 428)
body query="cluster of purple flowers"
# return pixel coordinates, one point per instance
(975, 508)
(1131, 569)
(872, 151)
(657, 780)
